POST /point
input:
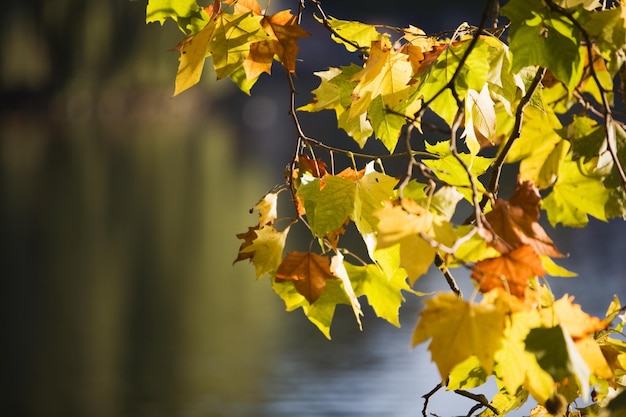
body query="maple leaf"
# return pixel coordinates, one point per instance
(244, 6)
(267, 208)
(540, 149)
(338, 269)
(387, 73)
(335, 93)
(383, 292)
(356, 33)
(263, 246)
(315, 167)
(459, 330)
(449, 170)
(480, 119)
(227, 38)
(575, 196)
(186, 13)
(283, 32)
(309, 272)
(515, 365)
(578, 323)
(321, 312)
(328, 201)
(515, 222)
(511, 271)
(404, 225)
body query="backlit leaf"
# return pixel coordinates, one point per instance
(511, 271)
(383, 293)
(338, 269)
(263, 247)
(357, 33)
(539, 36)
(575, 196)
(459, 330)
(403, 224)
(309, 272)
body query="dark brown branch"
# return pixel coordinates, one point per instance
(479, 398)
(427, 396)
(516, 132)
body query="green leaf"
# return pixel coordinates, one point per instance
(335, 93)
(505, 402)
(322, 311)
(359, 33)
(328, 202)
(556, 353)
(576, 195)
(541, 37)
(539, 148)
(387, 125)
(449, 170)
(230, 42)
(383, 293)
(178, 10)
(473, 76)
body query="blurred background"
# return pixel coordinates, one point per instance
(119, 207)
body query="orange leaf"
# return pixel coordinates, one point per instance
(316, 167)
(578, 323)
(515, 223)
(510, 271)
(260, 59)
(284, 28)
(245, 6)
(308, 271)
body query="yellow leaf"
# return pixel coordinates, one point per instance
(193, 51)
(591, 353)
(518, 367)
(338, 269)
(387, 73)
(263, 247)
(267, 209)
(403, 225)
(458, 330)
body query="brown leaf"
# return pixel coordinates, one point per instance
(515, 223)
(316, 167)
(511, 271)
(248, 239)
(259, 59)
(308, 271)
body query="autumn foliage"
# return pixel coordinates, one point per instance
(536, 95)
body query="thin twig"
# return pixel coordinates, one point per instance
(427, 396)
(516, 132)
(479, 398)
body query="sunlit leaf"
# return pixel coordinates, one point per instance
(263, 247)
(459, 330)
(308, 271)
